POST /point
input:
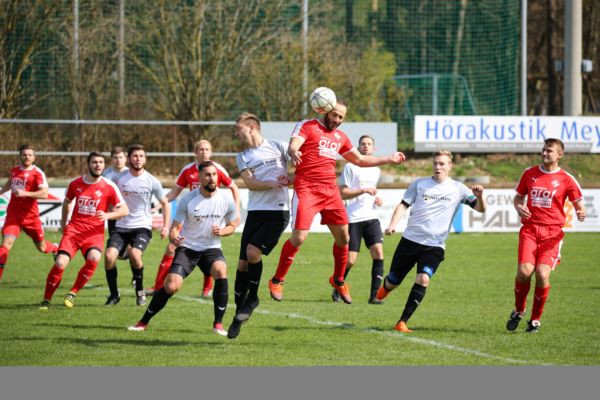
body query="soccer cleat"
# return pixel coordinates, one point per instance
(533, 326)
(375, 300)
(44, 305)
(139, 326)
(140, 298)
(149, 292)
(207, 287)
(335, 296)
(234, 328)
(382, 292)
(401, 327)
(342, 290)
(513, 320)
(112, 300)
(247, 308)
(69, 300)
(218, 329)
(276, 290)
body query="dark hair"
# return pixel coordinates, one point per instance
(25, 146)
(117, 150)
(205, 164)
(134, 147)
(554, 141)
(365, 137)
(94, 154)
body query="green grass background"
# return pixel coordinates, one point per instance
(460, 322)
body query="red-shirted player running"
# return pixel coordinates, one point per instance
(546, 187)
(92, 196)
(27, 183)
(189, 178)
(313, 148)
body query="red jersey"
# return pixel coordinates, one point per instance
(188, 177)
(30, 180)
(319, 151)
(89, 198)
(546, 193)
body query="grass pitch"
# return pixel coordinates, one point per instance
(460, 322)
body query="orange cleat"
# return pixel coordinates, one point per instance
(342, 290)
(382, 293)
(401, 327)
(276, 290)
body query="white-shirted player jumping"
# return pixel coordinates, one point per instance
(434, 200)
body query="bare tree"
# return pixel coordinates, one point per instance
(197, 54)
(21, 39)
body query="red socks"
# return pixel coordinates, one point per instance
(85, 274)
(52, 281)
(288, 252)
(163, 270)
(539, 300)
(340, 259)
(3, 255)
(521, 292)
(49, 247)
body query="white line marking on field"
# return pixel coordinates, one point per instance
(411, 338)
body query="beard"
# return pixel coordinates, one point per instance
(329, 124)
(94, 174)
(211, 187)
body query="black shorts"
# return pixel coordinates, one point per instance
(409, 253)
(112, 226)
(369, 230)
(138, 238)
(263, 230)
(186, 259)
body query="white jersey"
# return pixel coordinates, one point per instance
(198, 214)
(266, 162)
(433, 208)
(137, 192)
(360, 208)
(109, 173)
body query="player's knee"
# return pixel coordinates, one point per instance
(171, 287)
(61, 261)
(253, 254)
(219, 270)
(422, 279)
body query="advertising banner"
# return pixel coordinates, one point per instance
(508, 134)
(499, 217)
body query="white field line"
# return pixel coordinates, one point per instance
(411, 338)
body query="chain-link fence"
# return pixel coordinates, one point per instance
(211, 59)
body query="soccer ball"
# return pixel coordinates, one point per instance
(322, 100)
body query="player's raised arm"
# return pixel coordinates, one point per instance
(478, 192)
(362, 160)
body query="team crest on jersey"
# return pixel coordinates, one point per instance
(99, 193)
(556, 183)
(337, 136)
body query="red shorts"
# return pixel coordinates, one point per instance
(31, 226)
(310, 200)
(73, 241)
(540, 244)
